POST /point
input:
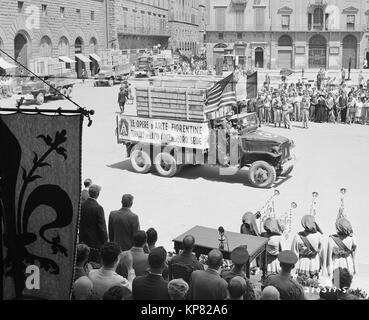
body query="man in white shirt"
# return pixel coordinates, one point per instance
(106, 277)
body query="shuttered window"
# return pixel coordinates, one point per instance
(259, 17)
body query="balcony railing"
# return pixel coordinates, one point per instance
(150, 31)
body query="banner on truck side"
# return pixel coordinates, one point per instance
(162, 131)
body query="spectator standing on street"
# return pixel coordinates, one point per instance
(84, 75)
(105, 278)
(182, 265)
(92, 227)
(305, 107)
(152, 238)
(122, 98)
(83, 252)
(123, 223)
(289, 289)
(208, 285)
(152, 286)
(177, 289)
(84, 194)
(236, 288)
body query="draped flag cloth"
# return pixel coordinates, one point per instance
(252, 85)
(222, 94)
(40, 179)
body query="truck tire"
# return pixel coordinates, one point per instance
(40, 98)
(140, 160)
(262, 174)
(69, 92)
(166, 165)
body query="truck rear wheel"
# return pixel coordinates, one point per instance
(40, 98)
(140, 160)
(262, 174)
(166, 165)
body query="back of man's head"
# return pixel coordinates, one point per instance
(139, 238)
(94, 191)
(287, 268)
(127, 201)
(270, 293)
(109, 254)
(82, 288)
(152, 236)
(188, 243)
(237, 287)
(157, 258)
(345, 278)
(87, 182)
(215, 259)
(83, 251)
(118, 293)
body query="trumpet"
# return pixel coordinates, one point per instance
(268, 210)
(341, 209)
(286, 219)
(315, 196)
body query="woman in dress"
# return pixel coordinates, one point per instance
(341, 250)
(308, 246)
(273, 232)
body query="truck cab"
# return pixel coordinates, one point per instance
(145, 67)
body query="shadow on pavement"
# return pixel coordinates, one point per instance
(216, 174)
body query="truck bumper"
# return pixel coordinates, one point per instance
(288, 164)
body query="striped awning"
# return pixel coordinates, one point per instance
(95, 57)
(66, 59)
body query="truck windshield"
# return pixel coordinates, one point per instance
(249, 122)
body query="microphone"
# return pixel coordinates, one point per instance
(222, 238)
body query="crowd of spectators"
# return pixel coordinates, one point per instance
(119, 261)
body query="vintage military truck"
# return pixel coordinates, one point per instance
(167, 139)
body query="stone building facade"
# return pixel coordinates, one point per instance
(31, 28)
(135, 25)
(295, 34)
(187, 25)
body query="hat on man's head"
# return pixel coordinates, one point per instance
(157, 257)
(240, 255)
(288, 257)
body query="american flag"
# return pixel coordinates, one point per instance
(222, 94)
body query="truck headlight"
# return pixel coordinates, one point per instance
(276, 149)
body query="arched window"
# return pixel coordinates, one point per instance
(78, 45)
(285, 41)
(63, 47)
(45, 47)
(259, 58)
(93, 45)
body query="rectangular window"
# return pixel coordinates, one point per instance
(44, 10)
(220, 17)
(239, 19)
(92, 15)
(220, 36)
(62, 12)
(259, 17)
(285, 21)
(20, 6)
(351, 22)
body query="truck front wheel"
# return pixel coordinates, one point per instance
(262, 174)
(166, 165)
(140, 160)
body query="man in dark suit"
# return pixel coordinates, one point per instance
(92, 226)
(152, 286)
(182, 265)
(208, 285)
(84, 194)
(123, 224)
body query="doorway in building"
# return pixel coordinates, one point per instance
(317, 52)
(285, 52)
(349, 52)
(21, 52)
(259, 58)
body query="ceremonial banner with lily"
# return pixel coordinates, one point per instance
(40, 167)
